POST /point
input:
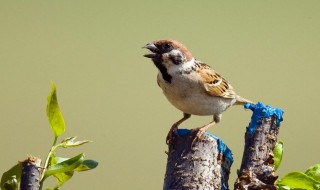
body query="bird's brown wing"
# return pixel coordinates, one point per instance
(213, 83)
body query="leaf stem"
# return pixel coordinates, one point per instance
(55, 141)
(45, 166)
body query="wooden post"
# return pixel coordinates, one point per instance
(257, 170)
(202, 165)
(30, 174)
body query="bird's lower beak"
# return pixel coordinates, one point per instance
(153, 49)
(150, 55)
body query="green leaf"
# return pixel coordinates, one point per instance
(61, 177)
(278, 152)
(87, 165)
(65, 166)
(283, 187)
(11, 176)
(54, 114)
(299, 180)
(55, 159)
(11, 184)
(314, 172)
(69, 142)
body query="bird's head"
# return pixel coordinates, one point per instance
(169, 53)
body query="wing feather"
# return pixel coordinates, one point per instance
(214, 84)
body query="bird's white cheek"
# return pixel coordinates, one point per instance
(167, 61)
(166, 58)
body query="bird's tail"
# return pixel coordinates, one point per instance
(242, 101)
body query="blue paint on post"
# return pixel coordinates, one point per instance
(222, 147)
(261, 111)
(183, 132)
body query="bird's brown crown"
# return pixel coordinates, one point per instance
(173, 44)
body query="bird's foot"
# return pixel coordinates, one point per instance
(199, 132)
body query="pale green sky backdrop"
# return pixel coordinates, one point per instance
(268, 50)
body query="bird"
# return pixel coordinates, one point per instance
(191, 86)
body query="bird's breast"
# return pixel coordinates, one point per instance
(186, 93)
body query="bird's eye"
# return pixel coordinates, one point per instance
(167, 45)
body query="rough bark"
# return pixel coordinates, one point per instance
(257, 170)
(30, 175)
(205, 164)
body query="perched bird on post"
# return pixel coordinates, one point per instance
(190, 85)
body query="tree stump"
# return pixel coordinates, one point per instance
(204, 164)
(257, 170)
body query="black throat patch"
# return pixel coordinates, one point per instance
(163, 70)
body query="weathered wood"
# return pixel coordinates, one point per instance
(205, 164)
(257, 170)
(30, 175)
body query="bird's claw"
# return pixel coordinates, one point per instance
(199, 132)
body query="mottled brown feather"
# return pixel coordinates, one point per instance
(213, 83)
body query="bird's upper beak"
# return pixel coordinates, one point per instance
(153, 49)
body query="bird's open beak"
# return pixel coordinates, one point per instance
(153, 49)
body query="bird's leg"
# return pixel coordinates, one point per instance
(174, 127)
(201, 130)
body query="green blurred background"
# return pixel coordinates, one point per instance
(268, 50)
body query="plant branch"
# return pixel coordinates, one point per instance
(30, 175)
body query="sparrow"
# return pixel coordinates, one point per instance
(190, 85)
